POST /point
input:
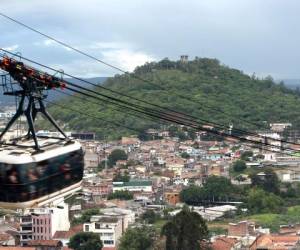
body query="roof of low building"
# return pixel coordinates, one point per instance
(224, 243)
(50, 243)
(133, 183)
(17, 248)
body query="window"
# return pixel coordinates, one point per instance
(38, 179)
(108, 242)
(108, 234)
(86, 228)
(97, 225)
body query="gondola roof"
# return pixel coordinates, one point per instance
(23, 151)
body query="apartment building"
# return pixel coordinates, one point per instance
(42, 223)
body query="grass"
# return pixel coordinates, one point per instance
(267, 220)
(273, 221)
(264, 219)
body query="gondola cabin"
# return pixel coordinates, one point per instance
(29, 177)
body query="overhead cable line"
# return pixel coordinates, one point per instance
(163, 116)
(188, 98)
(137, 130)
(173, 112)
(104, 101)
(95, 117)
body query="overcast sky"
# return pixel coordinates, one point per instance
(261, 36)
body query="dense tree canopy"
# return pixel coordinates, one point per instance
(150, 216)
(239, 166)
(204, 81)
(267, 180)
(185, 230)
(122, 195)
(116, 155)
(85, 241)
(215, 189)
(259, 201)
(122, 178)
(246, 155)
(139, 238)
(85, 216)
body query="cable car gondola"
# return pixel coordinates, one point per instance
(35, 169)
(28, 178)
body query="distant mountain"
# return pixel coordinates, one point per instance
(53, 95)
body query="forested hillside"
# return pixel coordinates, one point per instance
(212, 92)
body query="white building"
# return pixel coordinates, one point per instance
(133, 186)
(108, 228)
(111, 225)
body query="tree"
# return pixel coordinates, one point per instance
(122, 195)
(186, 230)
(259, 201)
(139, 238)
(150, 216)
(239, 166)
(218, 188)
(185, 155)
(116, 155)
(101, 166)
(85, 241)
(268, 181)
(246, 155)
(85, 216)
(122, 178)
(193, 195)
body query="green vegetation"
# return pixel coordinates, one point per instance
(185, 155)
(239, 166)
(85, 241)
(150, 216)
(246, 155)
(122, 178)
(122, 195)
(116, 155)
(204, 80)
(260, 201)
(139, 238)
(185, 231)
(215, 189)
(267, 180)
(273, 221)
(85, 216)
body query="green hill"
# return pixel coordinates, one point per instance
(205, 81)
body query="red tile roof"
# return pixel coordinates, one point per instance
(50, 243)
(68, 234)
(17, 248)
(223, 243)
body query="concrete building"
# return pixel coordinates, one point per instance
(242, 228)
(172, 198)
(42, 223)
(133, 186)
(108, 228)
(111, 225)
